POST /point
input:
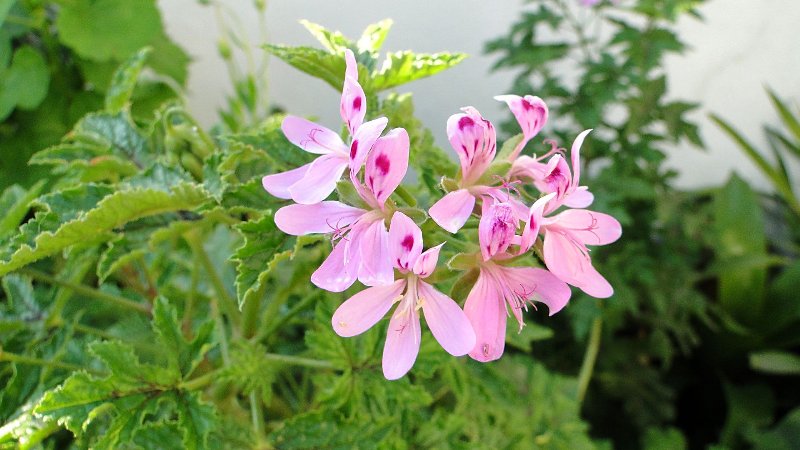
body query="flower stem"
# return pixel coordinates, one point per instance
(299, 361)
(275, 326)
(87, 291)
(228, 303)
(22, 359)
(590, 357)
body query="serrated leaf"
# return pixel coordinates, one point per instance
(93, 27)
(373, 36)
(263, 247)
(74, 220)
(317, 63)
(118, 96)
(405, 66)
(182, 354)
(121, 251)
(333, 41)
(318, 430)
(508, 147)
(117, 133)
(196, 419)
(15, 203)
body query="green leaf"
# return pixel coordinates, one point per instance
(115, 132)
(317, 63)
(663, 439)
(373, 36)
(508, 147)
(5, 7)
(405, 66)
(775, 362)
(15, 203)
(93, 27)
(121, 251)
(263, 248)
(333, 41)
(25, 83)
(783, 436)
(320, 430)
(524, 338)
(787, 117)
(739, 228)
(123, 82)
(87, 214)
(182, 354)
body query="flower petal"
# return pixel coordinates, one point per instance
(387, 164)
(539, 285)
(486, 311)
(320, 179)
(590, 227)
(576, 157)
(363, 140)
(426, 263)
(531, 113)
(534, 222)
(496, 228)
(405, 241)
(323, 217)
(402, 341)
(334, 275)
(353, 106)
(579, 198)
(278, 184)
(474, 140)
(363, 310)
(571, 263)
(312, 137)
(452, 211)
(376, 259)
(446, 320)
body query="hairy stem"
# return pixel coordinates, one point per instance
(22, 359)
(87, 291)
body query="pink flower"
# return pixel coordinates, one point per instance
(361, 241)
(531, 114)
(447, 322)
(567, 234)
(499, 287)
(554, 176)
(315, 181)
(474, 140)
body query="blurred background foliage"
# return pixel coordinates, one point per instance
(149, 299)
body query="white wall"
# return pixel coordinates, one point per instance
(742, 46)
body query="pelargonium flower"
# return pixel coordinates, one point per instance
(555, 176)
(315, 181)
(500, 287)
(447, 322)
(567, 234)
(361, 241)
(531, 114)
(474, 140)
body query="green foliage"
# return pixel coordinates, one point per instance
(256, 258)
(57, 61)
(328, 65)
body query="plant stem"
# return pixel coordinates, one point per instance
(85, 329)
(227, 302)
(199, 382)
(590, 357)
(87, 291)
(250, 311)
(299, 361)
(256, 414)
(39, 435)
(299, 306)
(22, 359)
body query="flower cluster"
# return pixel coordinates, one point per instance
(380, 246)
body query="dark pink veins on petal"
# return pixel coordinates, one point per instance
(353, 149)
(407, 242)
(357, 103)
(464, 122)
(382, 163)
